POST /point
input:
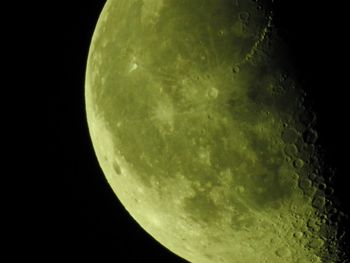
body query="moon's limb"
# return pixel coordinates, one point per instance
(197, 122)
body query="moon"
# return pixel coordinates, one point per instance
(200, 127)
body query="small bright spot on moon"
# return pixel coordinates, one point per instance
(240, 189)
(298, 235)
(213, 92)
(133, 67)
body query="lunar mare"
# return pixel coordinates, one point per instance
(199, 125)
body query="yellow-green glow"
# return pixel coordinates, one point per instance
(197, 123)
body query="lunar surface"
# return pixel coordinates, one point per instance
(201, 129)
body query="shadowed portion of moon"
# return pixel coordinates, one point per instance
(199, 125)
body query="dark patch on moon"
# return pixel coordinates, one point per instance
(117, 168)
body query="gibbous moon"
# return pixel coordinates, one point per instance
(201, 130)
